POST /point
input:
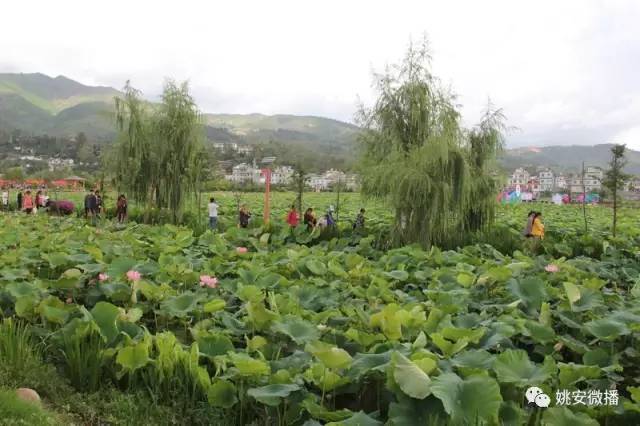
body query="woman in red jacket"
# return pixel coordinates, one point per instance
(293, 218)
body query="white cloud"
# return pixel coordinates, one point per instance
(555, 67)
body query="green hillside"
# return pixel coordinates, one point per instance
(37, 104)
(567, 157)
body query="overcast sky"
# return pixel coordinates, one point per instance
(565, 71)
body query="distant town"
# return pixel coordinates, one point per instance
(545, 180)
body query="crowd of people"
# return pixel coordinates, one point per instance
(309, 219)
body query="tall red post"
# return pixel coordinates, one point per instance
(267, 187)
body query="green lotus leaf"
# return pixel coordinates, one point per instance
(132, 358)
(514, 366)
(214, 306)
(317, 411)
(331, 356)
(336, 269)
(572, 291)
(250, 293)
(474, 358)
(455, 334)
(54, 310)
(222, 394)
(248, 366)
(571, 373)
(214, 344)
(388, 321)
(259, 315)
(511, 414)
(324, 378)
(466, 279)
(469, 401)
(56, 259)
(299, 330)
(26, 306)
(412, 380)
(369, 363)
(358, 419)
(446, 347)
(606, 329)
(272, 395)
(539, 332)
(531, 291)
(180, 306)
(417, 412)
(562, 416)
(105, 315)
(316, 267)
(398, 275)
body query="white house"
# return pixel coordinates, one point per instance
(519, 177)
(560, 182)
(546, 180)
(244, 172)
(281, 175)
(244, 149)
(318, 182)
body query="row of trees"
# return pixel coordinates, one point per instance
(419, 158)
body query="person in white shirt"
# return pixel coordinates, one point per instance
(213, 213)
(5, 199)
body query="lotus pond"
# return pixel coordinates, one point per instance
(309, 330)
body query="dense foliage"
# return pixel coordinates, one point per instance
(417, 156)
(335, 331)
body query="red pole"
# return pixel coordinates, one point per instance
(267, 187)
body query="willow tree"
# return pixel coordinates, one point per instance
(484, 143)
(417, 157)
(614, 178)
(159, 153)
(133, 158)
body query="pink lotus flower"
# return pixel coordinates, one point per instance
(209, 281)
(551, 268)
(133, 275)
(241, 250)
(103, 277)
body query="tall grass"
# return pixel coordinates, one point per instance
(18, 348)
(83, 360)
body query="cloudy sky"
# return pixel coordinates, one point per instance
(565, 72)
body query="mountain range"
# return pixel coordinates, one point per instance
(38, 104)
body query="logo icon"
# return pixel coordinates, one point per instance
(537, 398)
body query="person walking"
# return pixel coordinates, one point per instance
(330, 220)
(121, 208)
(99, 206)
(27, 203)
(5, 199)
(244, 216)
(88, 202)
(310, 219)
(359, 223)
(19, 200)
(537, 227)
(529, 225)
(293, 218)
(213, 213)
(39, 200)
